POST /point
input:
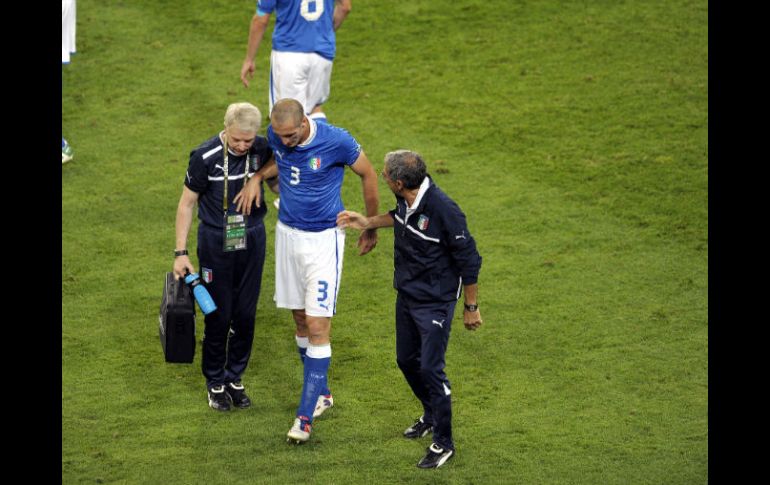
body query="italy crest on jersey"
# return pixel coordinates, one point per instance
(315, 163)
(422, 222)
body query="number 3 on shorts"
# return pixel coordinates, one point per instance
(322, 289)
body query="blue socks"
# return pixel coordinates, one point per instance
(317, 358)
(302, 344)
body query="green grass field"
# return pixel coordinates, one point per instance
(574, 135)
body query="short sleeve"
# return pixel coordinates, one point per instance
(265, 6)
(196, 178)
(349, 148)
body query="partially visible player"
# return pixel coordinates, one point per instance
(310, 160)
(304, 46)
(68, 27)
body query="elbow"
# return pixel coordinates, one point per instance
(343, 8)
(259, 22)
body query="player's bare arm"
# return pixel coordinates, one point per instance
(341, 10)
(256, 33)
(364, 169)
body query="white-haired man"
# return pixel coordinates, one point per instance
(231, 248)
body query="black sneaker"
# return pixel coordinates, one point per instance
(419, 429)
(435, 457)
(218, 399)
(237, 395)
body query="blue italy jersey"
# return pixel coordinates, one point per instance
(302, 25)
(310, 175)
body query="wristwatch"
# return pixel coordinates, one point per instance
(471, 308)
(180, 252)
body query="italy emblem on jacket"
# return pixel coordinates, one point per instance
(315, 163)
(422, 222)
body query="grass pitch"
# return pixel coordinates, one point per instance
(574, 135)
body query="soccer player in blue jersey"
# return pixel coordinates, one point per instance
(304, 45)
(310, 160)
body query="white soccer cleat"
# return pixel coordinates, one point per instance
(299, 433)
(66, 152)
(323, 403)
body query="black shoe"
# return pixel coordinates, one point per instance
(237, 395)
(419, 429)
(218, 399)
(435, 457)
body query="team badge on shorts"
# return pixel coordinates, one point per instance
(207, 275)
(315, 163)
(422, 222)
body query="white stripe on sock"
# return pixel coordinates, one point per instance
(319, 351)
(302, 342)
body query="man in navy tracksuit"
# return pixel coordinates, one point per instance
(231, 248)
(435, 261)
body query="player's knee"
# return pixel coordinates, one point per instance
(299, 318)
(318, 329)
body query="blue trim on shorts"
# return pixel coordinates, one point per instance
(272, 93)
(337, 270)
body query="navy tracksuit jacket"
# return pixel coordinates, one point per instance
(434, 256)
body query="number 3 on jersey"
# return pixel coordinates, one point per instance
(318, 9)
(294, 175)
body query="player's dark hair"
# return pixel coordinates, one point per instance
(406, 166)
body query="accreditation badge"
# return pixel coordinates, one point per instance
(235, 232)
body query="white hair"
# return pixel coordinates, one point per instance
(245, 117)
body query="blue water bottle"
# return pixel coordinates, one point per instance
(202, 295)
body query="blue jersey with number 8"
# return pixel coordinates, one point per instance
(302, 25)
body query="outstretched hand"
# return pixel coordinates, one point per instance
(368, 238)
(352, 219)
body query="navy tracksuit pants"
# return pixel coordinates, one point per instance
(422, 337)
(234, 287)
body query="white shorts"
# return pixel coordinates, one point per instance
(303, 76)
(308, 267)
(68, 29)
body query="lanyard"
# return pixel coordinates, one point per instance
(225, 168)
